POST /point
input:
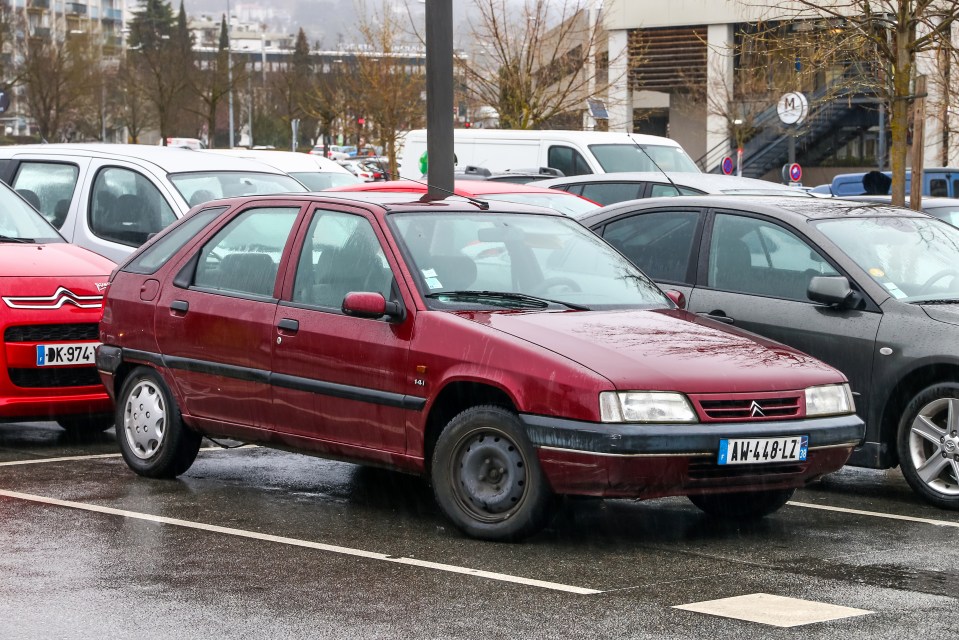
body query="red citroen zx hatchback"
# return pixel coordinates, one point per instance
(502, 351)
(52, 296)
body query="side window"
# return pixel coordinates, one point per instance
(605, 193)
(939, 188)
(659, 243)
(752, 256)
(955, 188)
(49, 187)
(567, 160)
(659, 189)
(243, 256)
(126, 207)
(341, 254)
(155, 256)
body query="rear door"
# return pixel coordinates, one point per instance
(214, 322)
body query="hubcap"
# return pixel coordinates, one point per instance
(144, 419)
(490, 475)
(934, 445)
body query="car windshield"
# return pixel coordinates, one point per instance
(519, 261)
(19, 222)
(948, 213)
(569, 204)
(631, 157)
(319, 180)
(200, 186)
(914, 259)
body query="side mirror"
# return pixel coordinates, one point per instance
(832, 290)
(678, 298)
(366, 304)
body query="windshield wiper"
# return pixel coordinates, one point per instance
(19, 240)
(494, 297)
(936, 301)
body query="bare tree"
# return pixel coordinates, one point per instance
(533, 64)
(128, 102)
(211, 82)
(893, 32)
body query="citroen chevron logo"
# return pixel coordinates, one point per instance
(60, 297)
(755, 411)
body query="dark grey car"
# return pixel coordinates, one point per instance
(870, 289)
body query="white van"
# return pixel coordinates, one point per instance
(572, 152)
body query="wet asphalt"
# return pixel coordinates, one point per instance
(241, 555)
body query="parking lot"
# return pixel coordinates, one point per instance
(253, 542)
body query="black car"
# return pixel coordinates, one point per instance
(870, 289)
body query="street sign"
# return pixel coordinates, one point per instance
(727, 166)
(792, 173)
(792, 108)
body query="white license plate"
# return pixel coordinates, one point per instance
(59, 355)
(760, 450)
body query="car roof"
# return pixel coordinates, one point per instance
(473, 188)
(708, 182)
(925, 200)
(286, 161)
(789, 208)
(168, 159)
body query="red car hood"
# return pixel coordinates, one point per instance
(51, 260)
(665, 350)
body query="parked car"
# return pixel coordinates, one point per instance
(516, 176)
(365, 171)
(936, 182)
(358, 326)
(340, 152)
(871, 289)
(52, 295)
(110, 198)
(496, 191)
(943, 208)
(610, 188)
(313, 172)
(571, 152)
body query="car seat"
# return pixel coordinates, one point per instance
(248, 273)
(31, 197)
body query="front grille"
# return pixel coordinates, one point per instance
(745, 407)
(707, 469)
(55, 377)
(52, 332)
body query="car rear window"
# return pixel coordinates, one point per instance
(152, 257)
(202, 186)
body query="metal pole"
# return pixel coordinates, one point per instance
(439, 98)
(881, 151)
(229, 69)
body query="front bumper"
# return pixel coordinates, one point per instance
(655, 460)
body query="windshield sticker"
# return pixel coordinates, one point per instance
(429, 273)
(896, 292)
(433, 282)
(876, 272)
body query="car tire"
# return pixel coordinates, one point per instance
(486, 476)
(746, 505)
(153, 439)
(85, 425)
(928, 444)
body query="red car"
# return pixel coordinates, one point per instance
(52, 296)
(503, 351)
(562, 201)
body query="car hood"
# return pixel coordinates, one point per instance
(948, 313)
(51, 260)
(665, 350)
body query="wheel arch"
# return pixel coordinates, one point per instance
(905, 390)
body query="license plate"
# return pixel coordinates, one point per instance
(760, 450)
(59, 355)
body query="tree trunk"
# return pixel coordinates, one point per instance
(899, 121)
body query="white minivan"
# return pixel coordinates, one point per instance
(572, 152)
(110, 198)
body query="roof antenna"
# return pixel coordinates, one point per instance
(646, 153)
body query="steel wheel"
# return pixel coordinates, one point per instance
(144, 419)
(489, 474)
(933, 445)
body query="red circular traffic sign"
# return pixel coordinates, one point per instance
(727, 165)
(795, 172)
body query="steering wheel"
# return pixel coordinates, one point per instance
(548, 283)
(936, 277)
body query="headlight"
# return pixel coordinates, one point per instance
(829, 399)
(645, 406)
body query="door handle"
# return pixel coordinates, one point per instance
(179, 307)
(289, 325)
(718, 316)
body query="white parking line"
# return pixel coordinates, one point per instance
(360, 553)
(99, 456)
(875, 514)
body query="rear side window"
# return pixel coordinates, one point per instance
(125, 207)
(49, 187)
(156, 255)
(667, 190)
(605, 193)
(567, 160)
(659, 243)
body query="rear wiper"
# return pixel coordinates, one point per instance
(493, 297)
(21, 240)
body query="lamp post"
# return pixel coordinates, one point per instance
(229, 69)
